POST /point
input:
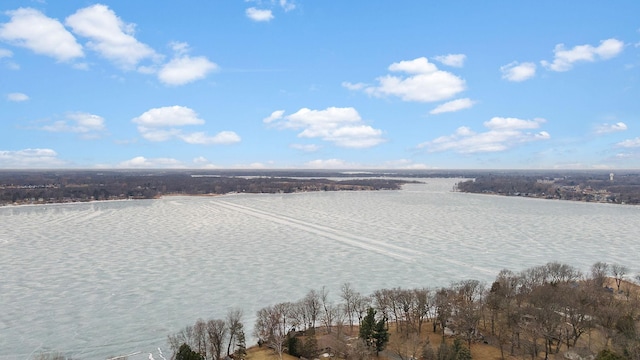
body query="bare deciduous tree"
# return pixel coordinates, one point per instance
(234, 324)
(312, 305)
(619, 271)
(599, 273)
(272, 326)
(348, 295)
(216, 336)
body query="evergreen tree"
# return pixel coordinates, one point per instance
(185, 353)
(374, 333)
(310, 347)
(463, 353)
(293, 346)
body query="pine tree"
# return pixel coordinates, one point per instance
(185, 353)
(374, 333)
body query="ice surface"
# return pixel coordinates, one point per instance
(103, 279)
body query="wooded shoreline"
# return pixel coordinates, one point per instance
(67, 186)
(71, 187)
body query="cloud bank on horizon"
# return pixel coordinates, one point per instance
(300, 84)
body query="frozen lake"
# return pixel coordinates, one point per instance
(102, 279)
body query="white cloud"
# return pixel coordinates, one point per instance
(186, 69)
(200, 160)
(179, 48)
(158, 134)
(276, 115)
(31, 29)
(13, 66)
(425, 82)
(500, 123)
(259, 15)
(341, 126)
(416, 66)
(140, 162)
(89, 125)
(564, 59)
(351, 86)
(168, 116)
(629, 143)
(162, 124)
(4, 53)
(518, 72)
(29, 158)
(455, 60)
(110, 36)
(452, 106)
(223, 137)
(610, 128)
(330, 164)
(305, 147)
(287, 5)
(503, 134)
(17, 97)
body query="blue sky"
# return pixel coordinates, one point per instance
(320, 84)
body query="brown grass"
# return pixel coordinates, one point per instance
(479, 351)
(265, 353)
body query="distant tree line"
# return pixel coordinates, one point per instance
(598, 187)
(56, 187)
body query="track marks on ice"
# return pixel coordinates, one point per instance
(358, 241)
(347, 238)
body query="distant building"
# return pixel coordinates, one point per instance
(611, 177)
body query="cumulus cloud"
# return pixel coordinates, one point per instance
(502, 134)
(89, 125)
(109, 36)
(183, 68)
(141, 162)
(424, 82)
(162, 124)
(186, 69)
(341, 126)
(610, 128)
(31, 29)
(518, 71)
(629, 143)
(17, 97)
(168, 116)
(454, 60)
(29, 158)
(564, 59)
(452, 106)
(259, 15)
